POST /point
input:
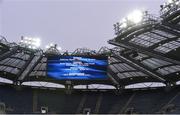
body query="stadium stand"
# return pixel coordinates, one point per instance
(146, 53)
(146, 101)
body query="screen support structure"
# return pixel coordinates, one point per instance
(68, 87)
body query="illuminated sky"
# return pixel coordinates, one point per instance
(69, 23)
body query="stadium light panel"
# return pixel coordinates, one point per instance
(177, 2)
(124, 20)
(30, 42)
(136, 16)
(59, 48)
(37, 42)
(170, 1)
(132, 19)
(123, 23)
(51, 44)
(47, 47)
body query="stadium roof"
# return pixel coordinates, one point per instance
(152, 45)
(146, 50)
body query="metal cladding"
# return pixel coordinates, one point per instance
(151, 46)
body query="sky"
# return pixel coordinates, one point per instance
(69, 23)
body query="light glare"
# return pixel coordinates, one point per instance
(170, 1)
(136, 16)
(59, 48)
(124, 25)
(30, 42)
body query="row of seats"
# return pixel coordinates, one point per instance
(28, 100)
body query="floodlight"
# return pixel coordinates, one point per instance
(36, 42)
(30, 42)
(123, 20)
(33, 47)
(170, 1)
(177, 2)
(136, 16)
(36, 39)
(59, 48)
(51, 44)
(47, 47)
(123, 25)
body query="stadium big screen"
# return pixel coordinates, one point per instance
(77, 67)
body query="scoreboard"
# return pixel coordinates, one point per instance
(77, 67)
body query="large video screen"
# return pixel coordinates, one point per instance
(77, 68)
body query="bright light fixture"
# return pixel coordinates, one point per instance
(136, 16)
(59, 48)
(47, 47)
(170, 1)
(30, 42)
(52, 45)
(123, 25)
(178, 2)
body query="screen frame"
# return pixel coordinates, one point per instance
(80, 80)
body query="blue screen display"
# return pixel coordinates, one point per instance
(77, 68)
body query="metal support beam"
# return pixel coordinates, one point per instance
(164, 66)
(115, 63)
(160, 34)
(140, 68)
(24, 67)
(173, 26)
(143, 66)
(123, 71)
(163, 42)
(9, 53)
(145, 51)
(170, 17)
(32, 63)
(168, 30)
(112, 79)
(139, 31)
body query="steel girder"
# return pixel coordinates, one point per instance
(22, 70)
(144, 50)
(37, 77)
(84, 51)
(172, 26)
(124, 39)
(140, 68)
(172, 14)
(32, 63)
(110, 75)
(167, 26)
(147, 67)
(9, 53)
